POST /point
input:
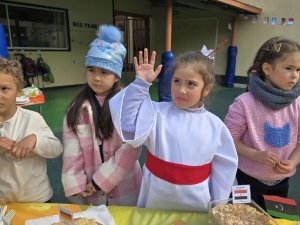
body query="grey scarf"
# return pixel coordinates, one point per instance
(270, 96)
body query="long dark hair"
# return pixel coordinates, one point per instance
(272, 50)
(103, 122)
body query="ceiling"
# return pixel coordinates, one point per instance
(233, 7)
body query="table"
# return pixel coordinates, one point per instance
(38, 101)
(123, 215)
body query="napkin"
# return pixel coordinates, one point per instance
(100, 213)
(22, 99)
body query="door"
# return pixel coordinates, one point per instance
(135, 36)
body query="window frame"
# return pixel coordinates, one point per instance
(34, 6)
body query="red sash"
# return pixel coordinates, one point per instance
(177, 173)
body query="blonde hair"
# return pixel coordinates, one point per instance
(13, 68)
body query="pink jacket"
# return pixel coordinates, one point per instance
(119, 177)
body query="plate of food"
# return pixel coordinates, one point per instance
(81, 221)
(224, 212)
(31, 92)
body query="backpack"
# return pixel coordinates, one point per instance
(29, 67)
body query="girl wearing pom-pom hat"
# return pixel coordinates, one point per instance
(97, 167)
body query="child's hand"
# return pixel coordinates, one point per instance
(267, 158)
(284, 166)
(84, 194)
(22, 148)
(144, 69)
(6, 143)
(90, 188)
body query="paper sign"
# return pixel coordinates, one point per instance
(274, 20)
(206, 51)
(241, 194)
(290, 21)
(254, 19)
(66, 216)
(266, 21)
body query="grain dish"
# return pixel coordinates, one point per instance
(81, 221)
(224, 212)
(240, 214)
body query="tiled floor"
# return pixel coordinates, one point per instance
(57, 100)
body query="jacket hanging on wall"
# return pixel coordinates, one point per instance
(29, 67)
(44, 70)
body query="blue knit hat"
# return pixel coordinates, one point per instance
(106, 51)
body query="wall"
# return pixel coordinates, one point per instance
(142, 7)
(191, 29)
(68, 66)
(251, 36)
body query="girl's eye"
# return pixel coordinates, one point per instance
(4, 89)
(175, 81)
(193, 84)
(90, 70)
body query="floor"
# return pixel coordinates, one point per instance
(57, 100)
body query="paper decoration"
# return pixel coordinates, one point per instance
(254, 19)
(290, 21)
(266, 21)
(206, 51)
(284, 208)
(229, 26)
(271, 20)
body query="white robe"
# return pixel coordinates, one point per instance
(185, 136)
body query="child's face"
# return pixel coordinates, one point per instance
(187, 88)
(100, 80)
(9, 91)
(284, 74)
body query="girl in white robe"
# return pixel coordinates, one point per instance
(191, 156)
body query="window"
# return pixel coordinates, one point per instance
(33, 27)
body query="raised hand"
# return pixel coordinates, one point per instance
(145, 69)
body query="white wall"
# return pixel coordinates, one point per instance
(251, 36)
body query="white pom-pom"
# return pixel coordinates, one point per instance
(109, 33)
